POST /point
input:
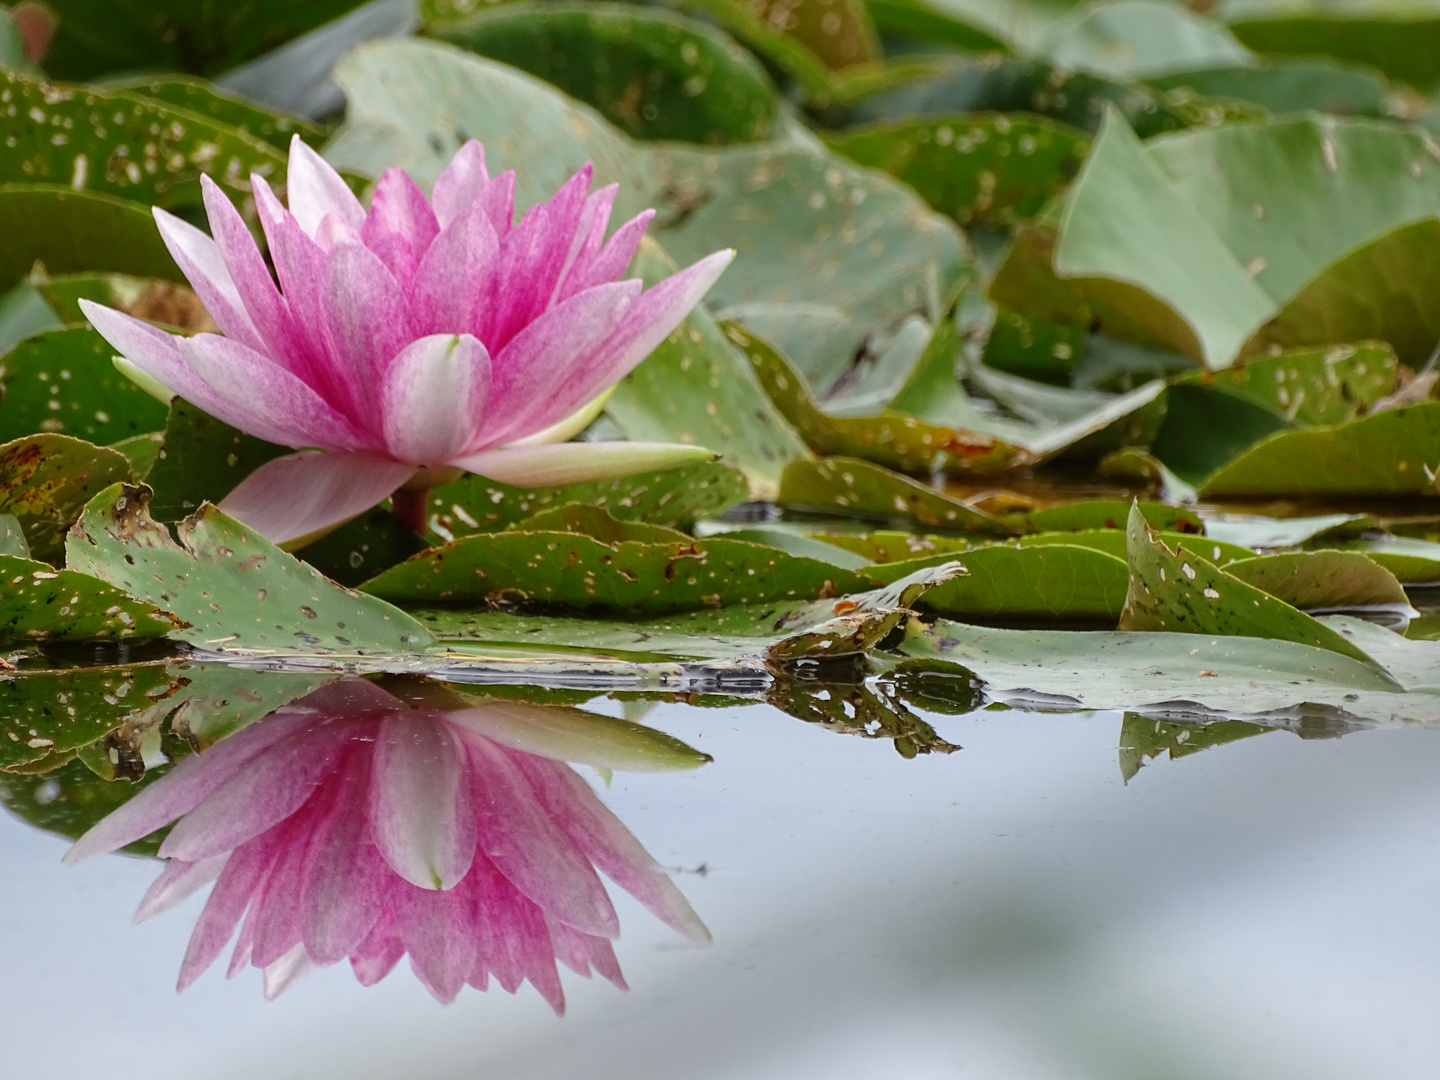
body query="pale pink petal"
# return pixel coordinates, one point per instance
(400, 225)
(185, 786)
(528, 846)
(613, 259)
(262, 399)
(460, 183)
(369, 320)
(438, 931)
(558, 464)
(315, 189)
(286, 972)
(435, 395)
(498, 202)
(243, 874)
(302, 494)
(589, 235)
(579, 952)
(203, 265)
(178, 881)
(422, 805)
(377, 955)
(277, 783)
(456, 278)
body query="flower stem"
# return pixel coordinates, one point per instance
(408, 505)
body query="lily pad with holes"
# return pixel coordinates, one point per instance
(1321, 580)
(46, 480)
(208, 100)
(40, 603)
(854, 488)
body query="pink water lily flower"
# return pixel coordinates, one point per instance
(411, 341)
(354, 824)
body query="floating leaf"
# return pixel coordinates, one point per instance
(1415, 562)
(1131, 39)
(239, 591)
(64, 381)
(1143, 739)
(1106, 514)
(981, 167)
(578, 572)
(1049, 581)
(12, 537)
(1034, 347)
(475, 504)
(362, 547)
(72, 231)
(891, 439)
(796, 543)
(115, 143)
(205, 98)
(1253, 531)
(1178, 591)
(1321, 580)
(933, 23)
(1289, 86)
(40, 603)
(857, 488)
(885, 546)
(1383, 454)
(598, 524)
(201, 459)
(45, 481)
(652, 73)
(1114, 542)
(1205, 428)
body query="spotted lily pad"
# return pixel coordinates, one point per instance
(201, 459)
(40, 603)
(238, 591)
(208, 100)
(45, 481)
(854, 488)
(1143, 739)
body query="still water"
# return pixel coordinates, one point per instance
(1014, 909)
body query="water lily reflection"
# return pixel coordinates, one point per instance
(360, 824)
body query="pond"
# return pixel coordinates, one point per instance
(1061, 894)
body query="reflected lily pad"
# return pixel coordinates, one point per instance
(1143, 740)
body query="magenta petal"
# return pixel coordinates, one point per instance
(302, 494)
(460, 183)
(243, 874)
(422, 807)
(315, 190)
(200, 259)
(262, 398)
(589, 237)
(611, 262)
(457, 276)
(400, 225)
(438, 931)
(435, 392)
(377, 955)
(369, 321)
(498, 203)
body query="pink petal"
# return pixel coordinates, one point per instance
(302, 494)
(261, 398)
(277, 783)
(530, 370)
(286, 972)
(460, 183)
(185, 786)
(203, 265)
(498, 202)
(178, 881)
(438, 931)
(435, 393)
(422, 807)
(315, 189)
(243, 874)
(377, 955)
(456, 277)
(400, 225)
(579, 952)
(273, 926)
(613, 259)
(589, 235)
(558, 464)
(369, 323)
(530, 848)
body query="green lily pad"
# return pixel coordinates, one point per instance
(1289, 86)
(812, 230)
(933, 23)
(1320, 580)
(886, 546)
(64, 381)
(201, 459)
(205, 98)
(239, 591)
(362, 547)
(1179, 592)
(1087, 514)
(796, 543)
(652, 73)
(140, 450)
(1132, 39)
(40, 603)
(45, 481)
(1383, 454)
(1034, 347)
(12, 537)
(986, 167)
(575, 571)
(890, 439)
(1049, 581)
(73, 231)
(855, 488)
(115, 143)
(1413, 561)
(695, 389)
(1205, 428)
(598, 524)
(1143, 740)
(1114, 542)
(475, 504)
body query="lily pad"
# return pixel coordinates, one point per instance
(45, 481)
(855, 488)
(116, 143)
(1322, 580)
(986, 167)
(239, 591)
(362, 547)
(201, 459)
(70, 799)
(72, 231)
(1383, 454)
(890, 439)
(205, 98)
(811, 228)
(1114, 542)
(575, 571)
(652, 73)
(1179, 592)
(1205, 428)
(935, 24)
(12, 537)
(40, 603)
(1289, 85)
(1130, 39)
(1413, 561)
(598, 524)
(64, 381)
(1050, 581)
(1088, 514)
(1034, 347)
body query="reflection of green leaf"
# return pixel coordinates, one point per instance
(979, 167)
(1383, 454)
(860, 710)
(71, 799)
(72, 231)
(238, 590)
(857, 488)
(652, 73)
(45, 480)
(1321, 579)
(38, 602)
(64, 381)
(1142, 739)
(1180, 592)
